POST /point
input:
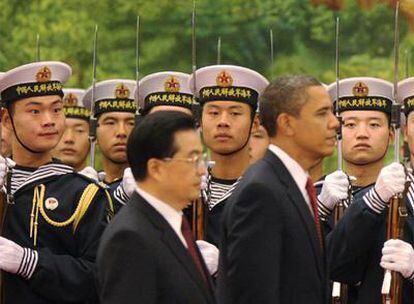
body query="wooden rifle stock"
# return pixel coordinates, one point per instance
(397, 214)
(339, 290)
(199, 218)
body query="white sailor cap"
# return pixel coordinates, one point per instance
(165, 89)
(229, 83)
(34, 79)
(113, 95)
(73, 104)
(363, 93)
(406, 94)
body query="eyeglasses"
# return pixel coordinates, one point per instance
(197, 160)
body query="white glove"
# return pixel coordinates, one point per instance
(210, 255)
(390, 181)
(128, 182)
(334, 189)
(90, 173)
(204, 182)
(4, 164)
(398, 256)
(11, 255)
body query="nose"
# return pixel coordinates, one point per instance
(223, 120)
(334, 122)
(361, 131)
(121, 130)
(68, 137)
(48, 119)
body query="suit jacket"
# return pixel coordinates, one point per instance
(142, 260)
(269, 249)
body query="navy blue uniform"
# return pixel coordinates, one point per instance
(60, 215)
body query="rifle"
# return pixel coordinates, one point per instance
(339, 291)
(199, 211)
(397, 213)
(138, 110)
(93, 120)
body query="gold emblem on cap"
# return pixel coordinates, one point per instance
(360, 89)
(121, 91)
(70, 99)
(44, 74)
(224, 79)
(172, 84)
(51, 203)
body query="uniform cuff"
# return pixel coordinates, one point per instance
(120, 195)
(323, 211)
(28, 264)
(374, 202)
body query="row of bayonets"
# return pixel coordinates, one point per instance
(337, 295)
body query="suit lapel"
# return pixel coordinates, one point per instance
(299, 202)
(172, 241)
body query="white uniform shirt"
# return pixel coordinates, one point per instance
(300, 176)
(172, 216)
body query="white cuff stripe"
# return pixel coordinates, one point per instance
(120, 195)
(374, 202)
(29, 263)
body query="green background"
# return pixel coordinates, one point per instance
(303, 36)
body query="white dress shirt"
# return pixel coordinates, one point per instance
(299, 175)
(171, 215)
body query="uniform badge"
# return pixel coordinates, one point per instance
(51, 203)
(360, 89)
(122, 91)
(44, 74)
(172, 84)
(70, 100)
(224, 79)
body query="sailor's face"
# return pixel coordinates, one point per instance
(112, 135)
(226, 126)
(258, 143)
(73, 147)
(38, 121)
(365, 136)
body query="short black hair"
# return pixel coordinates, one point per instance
(153, 137)
(286, 94)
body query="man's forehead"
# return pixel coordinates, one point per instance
(117, 115)
(363, 115)
(188, 140)
(225, 104)
(40, 100)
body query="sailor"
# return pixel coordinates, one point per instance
(73, 147)
(355, 244)
(55, 218)
(228, 96)
(114, 109)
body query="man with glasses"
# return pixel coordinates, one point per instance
(164, 264)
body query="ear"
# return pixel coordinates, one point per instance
(405, 130)
(6, 119)
(391, 137)
(256, 123)
(285, 124)
(155, 169)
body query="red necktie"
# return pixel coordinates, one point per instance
(310, 188)
(188, 236)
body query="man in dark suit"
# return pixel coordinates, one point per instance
(147, 254)
(272, 249)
